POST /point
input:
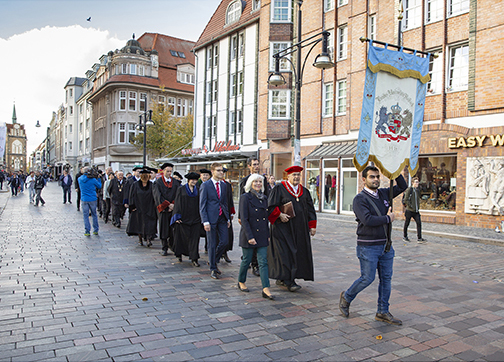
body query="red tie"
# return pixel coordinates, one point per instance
(218, 195)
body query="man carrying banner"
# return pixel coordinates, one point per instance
(372, 210)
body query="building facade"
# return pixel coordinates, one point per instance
(15, 146)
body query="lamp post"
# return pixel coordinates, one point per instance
(144, 120)
(322, 61)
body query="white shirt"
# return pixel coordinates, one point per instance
(295, 188)
(374, 193)
(167, 179)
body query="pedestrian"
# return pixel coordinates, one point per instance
(2, 179)
(77, 189)
(22, 179)
(254, 232)
(142, 209)
(88, 184)
(373, 213)
(411, 201)
(106, 197)
(293, 222)
(215, 216)
(100, 205)
(117, 196)
(253, 166)
(30, 185)
(66, 184)
(165, 190)
(39, 184)
(14, 184)
(271, 182)
(205, 175)
(186, 220)
(232, 211)
(178, 176)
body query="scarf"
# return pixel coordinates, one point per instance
(189, 193)
(259, 194)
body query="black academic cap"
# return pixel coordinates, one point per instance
(224, 169)
(192, 176)
(176, 173)
(137, 168)
(147, 170)
(204, 170)
(165, 165)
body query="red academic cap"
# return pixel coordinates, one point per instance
(293, 169)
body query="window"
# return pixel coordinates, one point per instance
(330, 43)
(209, 92)
(131, 131)
(342, 42)
(87, 123)
(372, 27)
(214, 126)
(436, 74)
(232, 85)
(181, 55)
(122, 133)
(70, 128)
(71, 110)
(174, 53)
(69, 146)
(80, 147)
(437, 182)
(185, 78)
(239, 121)
(240, 83)
(208, 129)
(133, 69)
(209, 58)
(124, 68)
(456, 7)
(216, 55)
(140, 70)
(143, 102)
(233, 12)
(132, 101)
(179, 108)
(211, 129)
(87, 144)
(241, 45)
(342, 2)
(256, 4)
(122, 100)
(328, 5)
(80, 108)
(161, 99)
(234, 47)
(66, 129)
(458, 68)
(412, 14)
(341, 97)
(71, 92)
(191, 106)
(171, 105)
(232, 122)
(281, 10)
(215, 90)
(279, 104)
(275, 48)
(328, 100)
(433, 10)
(80, 127)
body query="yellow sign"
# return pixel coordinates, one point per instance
(475, 141)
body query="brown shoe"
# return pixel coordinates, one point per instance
(388, 318)
(344, 306)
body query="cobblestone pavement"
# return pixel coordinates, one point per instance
(66, 297)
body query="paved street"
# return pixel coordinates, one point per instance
(67, 297)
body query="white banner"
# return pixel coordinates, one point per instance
(3, 133)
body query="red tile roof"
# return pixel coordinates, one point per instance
(216, 27)
(163, 44)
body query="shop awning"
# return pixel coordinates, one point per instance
(207, 158)
(336, 149)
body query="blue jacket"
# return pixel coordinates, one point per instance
(88, 188)
(254, 221)
(69, 181)
(210, 203)
(370, 230)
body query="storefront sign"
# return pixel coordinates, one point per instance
(221, 146)
(473, 141)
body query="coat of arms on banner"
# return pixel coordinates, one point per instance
(392, 111)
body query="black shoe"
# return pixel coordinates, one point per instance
(195, 263)
(180, 259)
(64, 203)
(140, 243)
(344, 306)
(406, 239)
(281, 283)
(165, 253)
(226, 258)
(218, 271)
(255, 271)
(270, 297)
(78, 209)
(246, 290)
(214, 274)
(149, 243)
(388, 318)
(294, 287)
(69, 202)
(421, 241)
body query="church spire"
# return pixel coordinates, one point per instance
(14, 118)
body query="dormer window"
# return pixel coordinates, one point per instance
(174, 53)
(233, 12)
(181, 55)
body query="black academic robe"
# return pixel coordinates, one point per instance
(290, 253)
(231, 209)
(116, 191)
(143, 215)
(164, 195)
(186, 223)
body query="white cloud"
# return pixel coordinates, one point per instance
(37, 64)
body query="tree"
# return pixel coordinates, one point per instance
(169, 134)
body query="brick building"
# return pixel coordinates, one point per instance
(15, 145)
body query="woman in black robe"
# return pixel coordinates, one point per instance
(186, 220)
(143, 216)
(290, 252)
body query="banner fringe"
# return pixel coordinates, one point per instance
(386, 173)
(398, 73)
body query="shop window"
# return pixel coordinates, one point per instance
(313, 181)
(438, 178)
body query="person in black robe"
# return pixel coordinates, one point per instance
(205, 175)
(290, 253)
(164, 191)
(231, 214)
(186, 220)
(117, 196)
(142, 209)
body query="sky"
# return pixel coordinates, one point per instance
(43, 43)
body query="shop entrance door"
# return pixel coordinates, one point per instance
(348, 186)
(330, 182)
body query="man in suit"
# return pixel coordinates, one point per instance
(66, 184)
(215, 216)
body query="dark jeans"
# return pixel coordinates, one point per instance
(416, 216)
(106, 213)
(39, 198)
(14, 190)
(373, 258)
(117, 213)
(78, 199)
(67, 194)
(215, 251)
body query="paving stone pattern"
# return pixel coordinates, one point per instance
(67, 297)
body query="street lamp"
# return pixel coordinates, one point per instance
(144, 120)
(322, 61)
